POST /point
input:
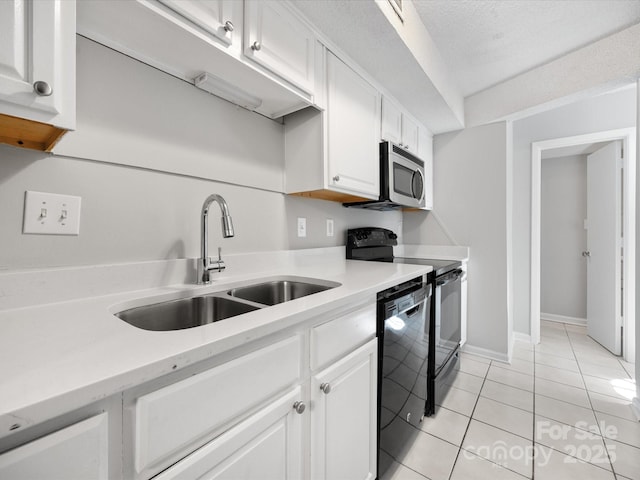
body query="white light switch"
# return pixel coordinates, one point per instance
(302, 227)
(51, 214)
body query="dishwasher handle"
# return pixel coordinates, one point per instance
(454, 276)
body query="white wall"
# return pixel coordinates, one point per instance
(471, 198)
(606, 112)
(148, 150)
(563, 270)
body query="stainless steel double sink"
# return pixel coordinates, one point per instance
(202, 310)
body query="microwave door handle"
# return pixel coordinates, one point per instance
(417, 195)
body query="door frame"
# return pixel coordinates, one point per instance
(628, 138)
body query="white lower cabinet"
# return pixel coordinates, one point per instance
(344, 416)
(267, 445)
(80, 451)
(263, 414)
(164, 424)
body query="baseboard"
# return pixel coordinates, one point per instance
(551, 317)
(486, 353)
(635, 406)
(522, 337)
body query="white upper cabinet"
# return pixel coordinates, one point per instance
(398, 127)
(353, 110)
(215, 17)
(37, 62)
(279, 41)
(334, 154)
(187, 38)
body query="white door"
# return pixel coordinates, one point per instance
(604, 242)
(344, 418)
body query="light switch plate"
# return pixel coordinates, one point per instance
(329, 227)
(302, 227)
(51, 214)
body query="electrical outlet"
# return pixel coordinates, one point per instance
(302, 227)
(51, 214)
(329, 227)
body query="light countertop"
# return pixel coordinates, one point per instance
(56, 357)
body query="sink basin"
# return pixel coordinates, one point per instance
(184, 313)
(278, 291)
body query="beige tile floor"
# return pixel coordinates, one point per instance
(560, 410)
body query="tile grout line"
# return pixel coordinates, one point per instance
(593, 411)
(484, 379)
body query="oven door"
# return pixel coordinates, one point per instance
(448, 317)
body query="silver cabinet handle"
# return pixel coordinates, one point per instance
(43, 89)
(228, 26)
(256, 46)
(336, 178)
(299, 407)
(326, 388)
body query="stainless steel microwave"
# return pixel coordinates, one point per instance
(401, 180)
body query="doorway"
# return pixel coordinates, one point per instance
(627, 138)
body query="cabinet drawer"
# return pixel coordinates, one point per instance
(78, 451)
(338, 337)
(175, 417)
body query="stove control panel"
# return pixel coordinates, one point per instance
(371, 237)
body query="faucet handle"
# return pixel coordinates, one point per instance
(220, 262)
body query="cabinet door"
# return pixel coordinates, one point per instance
(409, 134)
(267, 446)
(78, 451)
(276, 39)
(344, 417)
(353, 110)
(38, 45)
(391, 125)
(425, 152)
(213, 16)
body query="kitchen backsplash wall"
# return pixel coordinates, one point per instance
(148, 150)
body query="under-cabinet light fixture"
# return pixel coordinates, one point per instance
(221, 88)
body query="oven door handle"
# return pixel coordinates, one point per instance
(457, 275)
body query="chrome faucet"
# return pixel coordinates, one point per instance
(205, 264)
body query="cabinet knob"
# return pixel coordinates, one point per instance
(299, 407)
(42, 88)
(228, 26)
(586, 253)
(326, 388)
(256, 46)
(336, 178)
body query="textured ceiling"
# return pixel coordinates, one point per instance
(484, 42)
